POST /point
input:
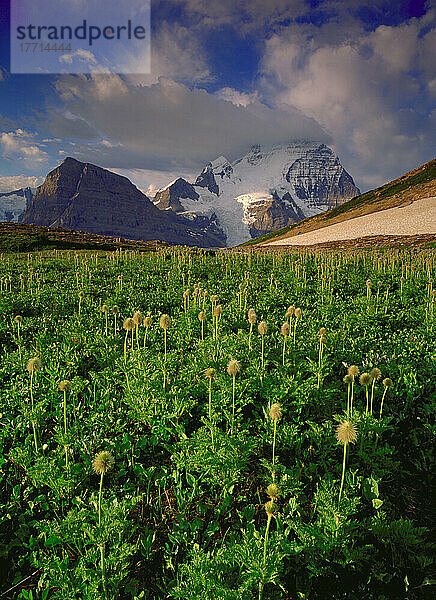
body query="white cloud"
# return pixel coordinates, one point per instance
(10, 183)
(167, 125)
(368, 89)
(237, 98)
(21, 144)
(82, 55)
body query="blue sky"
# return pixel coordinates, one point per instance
(228, 74)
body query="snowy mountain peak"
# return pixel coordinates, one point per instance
(266, 189)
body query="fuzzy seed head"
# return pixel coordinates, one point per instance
(353, 370)
(128, 324)
(252, 317)
(275, 412)
(147, 321)
(263, 328)
(209, 372)
(348, 379)
(218, 311)
(285, 329)
(105, 309)
(34, 364)
(365, 379)
(234, 367)
(271, 508)
(164, 322)
(368, 283)
(18, 319)
(375, 373)
(103, 462)
(388, 382)
(273, 491)
(137, 318)
(115, 309)
(322, 331)
(290, 312)
(346, 432)
(65, 386)
(298, 313)
(201, 316)
(81, 295)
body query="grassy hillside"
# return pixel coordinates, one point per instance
(18, 237)
(419, 183)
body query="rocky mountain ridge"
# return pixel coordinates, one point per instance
(267, 189)
(85, 197)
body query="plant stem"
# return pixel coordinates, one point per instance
(343, 472)
(381, 405)
(274, 448)
(99, 499)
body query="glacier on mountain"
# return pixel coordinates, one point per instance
(265, 190)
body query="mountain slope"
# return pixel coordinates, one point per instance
(266, 189)
(86, 197)
(415, 185)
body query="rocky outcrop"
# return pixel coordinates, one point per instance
(206, 179)
(169, 196)
(85, 197)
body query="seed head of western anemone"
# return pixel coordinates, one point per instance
(105, 309)
(271, 508)
(81, 295)
(18, 319)
(298, 312)
(322, 331)
(164, 321)
(103, 462)
(137, 318)
(285, 329)
(375, 373)
(209, 372)
(147, 321)
(273, 491)
(234, 367)
(263, 328)
(368, 283)
(65, 386)
(252, 317)
(201, 315)
(128, 324)
(34, 364)
(365, 379)
(348, 379)
(290, 312)
(218, 311)
(388, 382)
(346, 432)
(353, 370)
(275, 412)
(115, 309)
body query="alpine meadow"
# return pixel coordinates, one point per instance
(236, 425)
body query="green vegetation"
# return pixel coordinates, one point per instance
(156, 444)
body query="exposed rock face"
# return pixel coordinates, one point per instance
(206, 179)
(13, 204)
(85, 197)
(265, 190)
(169, 196)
